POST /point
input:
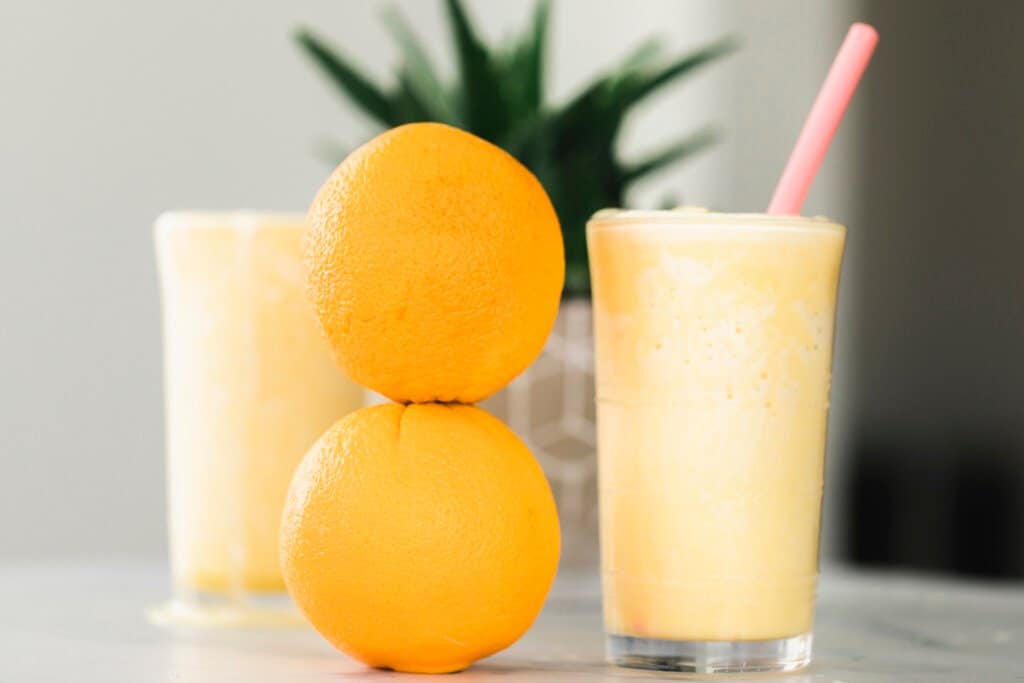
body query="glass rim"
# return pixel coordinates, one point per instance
(242, 219)
(699, 217)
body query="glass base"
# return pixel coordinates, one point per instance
(207, 609)
(712, 656)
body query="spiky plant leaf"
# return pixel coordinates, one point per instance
(330, 150)
(408, 104)
(359, 89)
(679, 68)
(526, 62)
(499, 95)
(643, 55)
(482, 109)
(417, 74)
(689, 145)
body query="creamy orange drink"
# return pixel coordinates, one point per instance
(250, 386)
(714, 350)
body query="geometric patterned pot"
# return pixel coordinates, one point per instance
(551, 407)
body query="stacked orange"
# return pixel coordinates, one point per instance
(421, 535)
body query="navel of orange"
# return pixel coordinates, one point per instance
(419, 538)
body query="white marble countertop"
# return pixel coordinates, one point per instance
(86, 624)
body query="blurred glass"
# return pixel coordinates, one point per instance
(250, 386)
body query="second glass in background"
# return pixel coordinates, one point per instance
(250, 386)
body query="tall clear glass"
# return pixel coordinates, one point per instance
(250, 386)
(713, 336)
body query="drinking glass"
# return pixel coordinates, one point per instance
(250, 386)
(713, 339)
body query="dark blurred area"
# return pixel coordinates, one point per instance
(935, 476)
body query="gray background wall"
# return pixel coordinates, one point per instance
(114, 111)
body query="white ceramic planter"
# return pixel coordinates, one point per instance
(551, 407)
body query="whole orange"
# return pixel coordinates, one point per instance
(436, 265)
(419, 538)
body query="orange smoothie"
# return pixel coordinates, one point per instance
(250, 386)
(714, 350)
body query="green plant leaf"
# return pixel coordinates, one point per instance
(359, 89)
(499, 94)
(520, 68)
(586, 116)
(408, 104)
(330, 151)
(600, 106)
(641, 57)
(669, 201)
(577, 279)
(533, 49)
(483, 111)
(418, 73)
(689, 145)
(680, 67)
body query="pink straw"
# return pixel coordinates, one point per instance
(822, 122)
